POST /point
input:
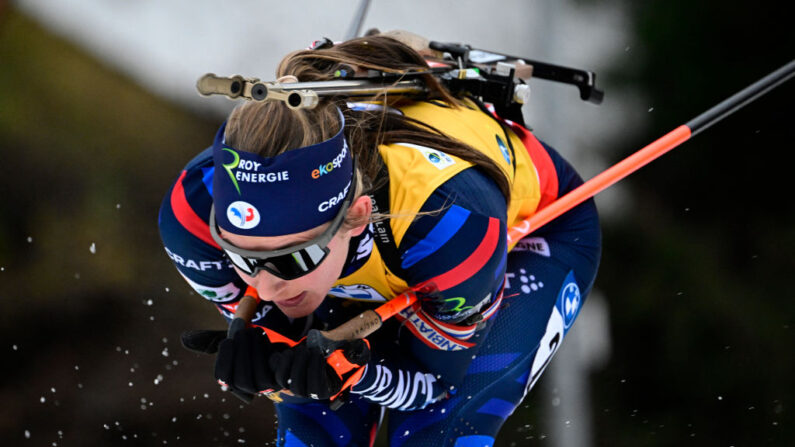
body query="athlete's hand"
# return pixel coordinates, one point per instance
(203, 341)
(242, 362)
(307, 372)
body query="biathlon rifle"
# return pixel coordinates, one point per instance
(491, 77)
(370, 320)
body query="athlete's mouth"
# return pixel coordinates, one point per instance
(294, 301)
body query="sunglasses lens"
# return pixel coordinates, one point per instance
(290, 266)
(240, 262)
(296, 264)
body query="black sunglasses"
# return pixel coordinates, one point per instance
(289, 262)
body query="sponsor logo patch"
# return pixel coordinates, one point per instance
(438, 159)
(218, 294)
(356, 292)
(535, 244)
(247, 171)
(197, 265)
(569, 301)
(328, 204)
(332, 165)
(504, 149)
(242, 215)
(428, 332)
(528, 283)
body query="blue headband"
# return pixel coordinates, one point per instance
(292, 192)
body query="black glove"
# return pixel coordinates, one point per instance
(307, 372)
(242, 362)
(203, 341)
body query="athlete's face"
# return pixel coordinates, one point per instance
(301, 296)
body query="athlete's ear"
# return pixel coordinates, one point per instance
(359, 215)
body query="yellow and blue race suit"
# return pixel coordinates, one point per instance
(456, 364)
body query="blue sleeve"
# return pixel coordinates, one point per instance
(183, 223)
(457, 256)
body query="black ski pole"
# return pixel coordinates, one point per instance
(649, 153)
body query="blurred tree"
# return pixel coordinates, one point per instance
(696, 274)
(90, 307)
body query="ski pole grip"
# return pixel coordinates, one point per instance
(244, 312)
(360, 326)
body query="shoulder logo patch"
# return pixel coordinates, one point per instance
(357, 292)
(504, 149)
(437, 158)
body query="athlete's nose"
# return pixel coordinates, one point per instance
(268, 286)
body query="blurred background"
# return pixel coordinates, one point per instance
(687, 339)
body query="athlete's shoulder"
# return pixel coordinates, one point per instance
(190, 196)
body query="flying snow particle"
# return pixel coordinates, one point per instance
(651, 109)
(164, 353)
(93, 248)
(158, 379)
(14, 347)
(27, 434)
(30, 239)
(42, 399)
(118, 205)
(149, 302)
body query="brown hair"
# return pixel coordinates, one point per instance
(270, 128)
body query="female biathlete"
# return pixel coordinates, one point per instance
(329, 211)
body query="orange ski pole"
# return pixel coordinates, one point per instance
(642, 157)
(649, 153)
